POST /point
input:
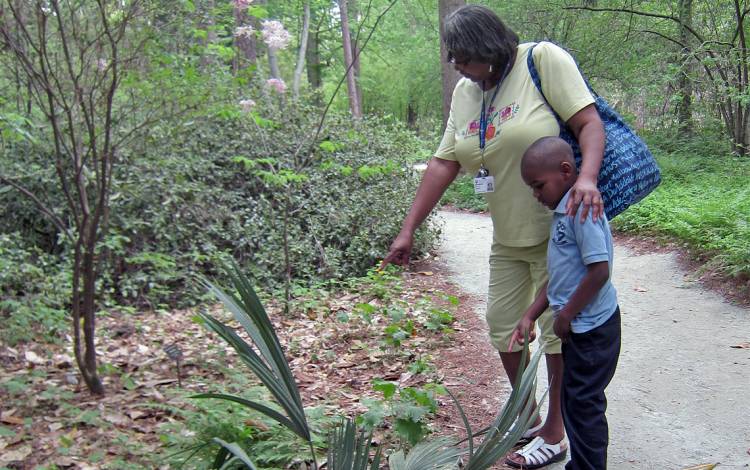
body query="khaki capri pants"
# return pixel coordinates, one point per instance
(516, 274)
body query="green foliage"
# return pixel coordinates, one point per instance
(269, 444)
(690, 207)
(34, 289)
(190, 195)
(348, 448)
(461, 195)
(409, 407)
(213, 194)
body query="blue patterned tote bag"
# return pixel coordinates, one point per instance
(628, 172)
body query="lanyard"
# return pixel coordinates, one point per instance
(484, 119)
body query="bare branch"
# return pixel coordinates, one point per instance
(40, 205)
(638, 13)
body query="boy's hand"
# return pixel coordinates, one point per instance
(524, 326)
(562, 327)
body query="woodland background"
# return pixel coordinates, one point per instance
(145, 144)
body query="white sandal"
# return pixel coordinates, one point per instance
(537, 454)
(527, 435)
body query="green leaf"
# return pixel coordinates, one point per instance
(374, 415)
(257, 11)
(238, 453)
(388, 389)
(412, 431)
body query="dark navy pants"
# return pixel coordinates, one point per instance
(590, 362)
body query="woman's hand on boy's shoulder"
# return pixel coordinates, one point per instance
(584, 192)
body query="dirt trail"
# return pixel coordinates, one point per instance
(681, 394)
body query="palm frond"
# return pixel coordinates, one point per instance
(237, 453)
(249, 312)
(467, 426)
(516, 416)
(436, 454)
(349, 449)
(259, 367)
(260, 407)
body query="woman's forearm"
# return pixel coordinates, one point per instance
(588, 129)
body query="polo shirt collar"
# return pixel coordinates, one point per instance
(560, 209)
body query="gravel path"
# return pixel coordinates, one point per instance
(681, 394)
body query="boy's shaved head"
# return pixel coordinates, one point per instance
(546, 154)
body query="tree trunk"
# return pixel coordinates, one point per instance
(84, 289)
(302, 51)
(273, 63)
(351, 83)
(449, 75)
(740, 111)
(353, 14)
(207, 25)
(411, 116)
(312, 57)
(246, 45)
(684, 84)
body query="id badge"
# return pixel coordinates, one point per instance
(484, 182)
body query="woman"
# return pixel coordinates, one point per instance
(496, 113)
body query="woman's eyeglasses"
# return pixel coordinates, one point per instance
(453, 60)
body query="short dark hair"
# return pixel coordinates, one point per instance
(547, 153)
(474, 32)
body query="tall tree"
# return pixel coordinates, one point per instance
(244, 36)
(684, 82)
(207, 25)
(355, 104)
(302, 49)
(449, 75)
(76, 56)
(720, 49)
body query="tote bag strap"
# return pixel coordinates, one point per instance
(538, 81)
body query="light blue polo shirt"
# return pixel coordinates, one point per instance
(572, 246)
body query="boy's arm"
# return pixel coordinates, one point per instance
(596, 276)
(525, 325)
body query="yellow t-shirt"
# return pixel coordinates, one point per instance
(518, 117)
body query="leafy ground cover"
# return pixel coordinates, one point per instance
(703, 204)
(409, 332)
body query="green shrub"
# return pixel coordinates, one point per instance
(222, 185)
(461, 195)
(33, 291)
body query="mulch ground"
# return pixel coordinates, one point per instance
(48, 419)
(470, 367)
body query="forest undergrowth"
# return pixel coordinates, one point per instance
(346, 346)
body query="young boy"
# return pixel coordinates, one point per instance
(587, 317)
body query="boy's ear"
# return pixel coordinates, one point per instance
(567, 169)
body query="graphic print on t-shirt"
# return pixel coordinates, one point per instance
(496, 118)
